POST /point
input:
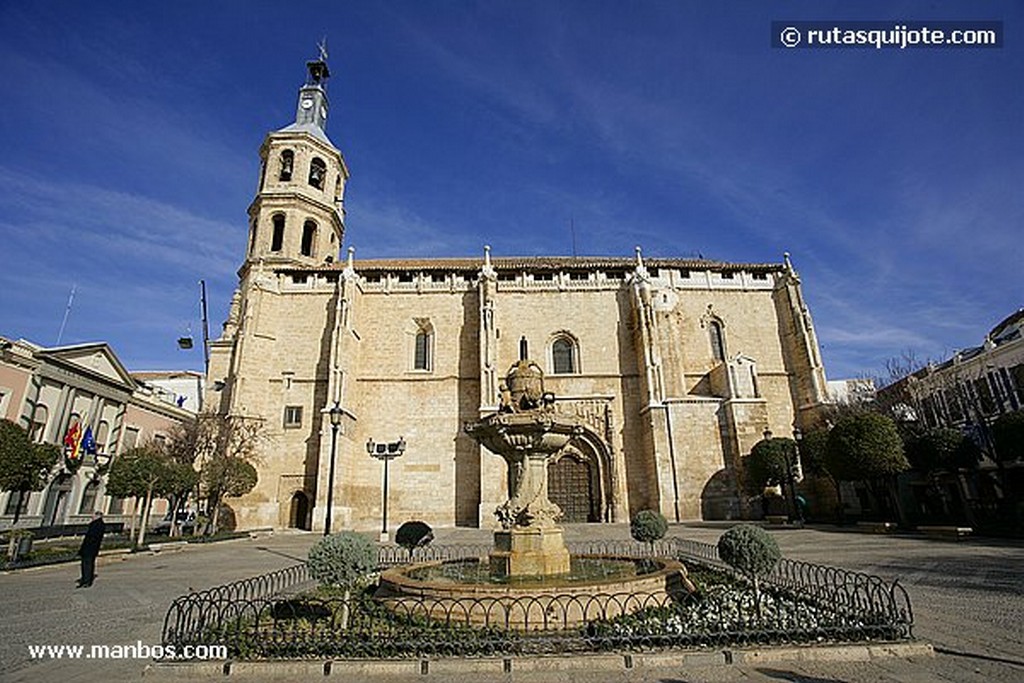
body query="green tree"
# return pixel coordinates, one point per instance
(648, 526)
(226, 448)
(182, 448)
(812, 453)
(1008, 436)
(344, 561)
(866, 447)
(752, 551)
(414, 534)
(941, 448)
(769, 464)
(24, 466)
(226, 477)
(143, 472)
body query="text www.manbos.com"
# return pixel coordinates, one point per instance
(138, 650)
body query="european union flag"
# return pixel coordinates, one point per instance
(88, 442)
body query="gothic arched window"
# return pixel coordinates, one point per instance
(317, 173)
(277, 239)
(563, 356)
(423, 353)
(287, 164)
(717, 335)
(308, 238)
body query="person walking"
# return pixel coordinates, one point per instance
(90, 549)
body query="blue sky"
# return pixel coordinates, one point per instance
(130, 138)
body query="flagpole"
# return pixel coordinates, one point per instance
(67, 311)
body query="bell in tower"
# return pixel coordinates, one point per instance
(298, 214)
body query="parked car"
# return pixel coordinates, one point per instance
(186, 523)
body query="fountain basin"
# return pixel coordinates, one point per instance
(530, 603)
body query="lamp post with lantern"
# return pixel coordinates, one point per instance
(335, 413)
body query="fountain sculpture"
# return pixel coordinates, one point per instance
(527, 432)
(528, 580)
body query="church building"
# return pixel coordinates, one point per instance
(675, 366)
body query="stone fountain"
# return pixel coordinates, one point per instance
(527, 432)
(528, 580)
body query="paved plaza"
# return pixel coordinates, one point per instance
(968, 598)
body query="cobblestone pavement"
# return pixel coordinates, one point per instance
(968, 597)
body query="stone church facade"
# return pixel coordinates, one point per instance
(675, 366)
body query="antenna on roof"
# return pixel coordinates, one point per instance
(67, 312)
(572, 232)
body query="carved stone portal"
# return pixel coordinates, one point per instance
(527, 433)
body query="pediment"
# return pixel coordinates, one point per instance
(98, 359)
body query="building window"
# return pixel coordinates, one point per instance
(317, 173)
(717, 334)
(102, 433)
(277, 240)
(37, 429)
(292, 417)
(287, 164)
(422, 359)
(116, 506)
(131, 438)
(88, 503)
(12, 502)
(563, 356)
(308, 238)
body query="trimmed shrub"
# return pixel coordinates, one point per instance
(749, 550)
(342, 560)
(414, 534)
(648, 526)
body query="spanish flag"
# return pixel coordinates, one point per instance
(73, 441)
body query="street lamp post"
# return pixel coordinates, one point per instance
(335, 414)
(795, 473)
(386, 452)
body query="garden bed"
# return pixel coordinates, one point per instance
(798, 603)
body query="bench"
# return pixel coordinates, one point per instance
(954, 532)
(878, 527)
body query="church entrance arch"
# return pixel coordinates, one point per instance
(298, 511)
(570, 487)
(580, 482)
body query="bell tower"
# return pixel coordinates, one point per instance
(298, 217)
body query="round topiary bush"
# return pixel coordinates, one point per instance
(342, 560)
(750, 550)
(648, 526)
(414, 534)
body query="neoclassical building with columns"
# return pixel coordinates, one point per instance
(676, 366)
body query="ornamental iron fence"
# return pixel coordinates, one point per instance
(267, 616)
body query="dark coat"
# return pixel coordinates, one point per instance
(93, 538)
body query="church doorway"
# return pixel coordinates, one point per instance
(571, 487)
(298, 511)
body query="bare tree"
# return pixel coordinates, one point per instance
(227, 448)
